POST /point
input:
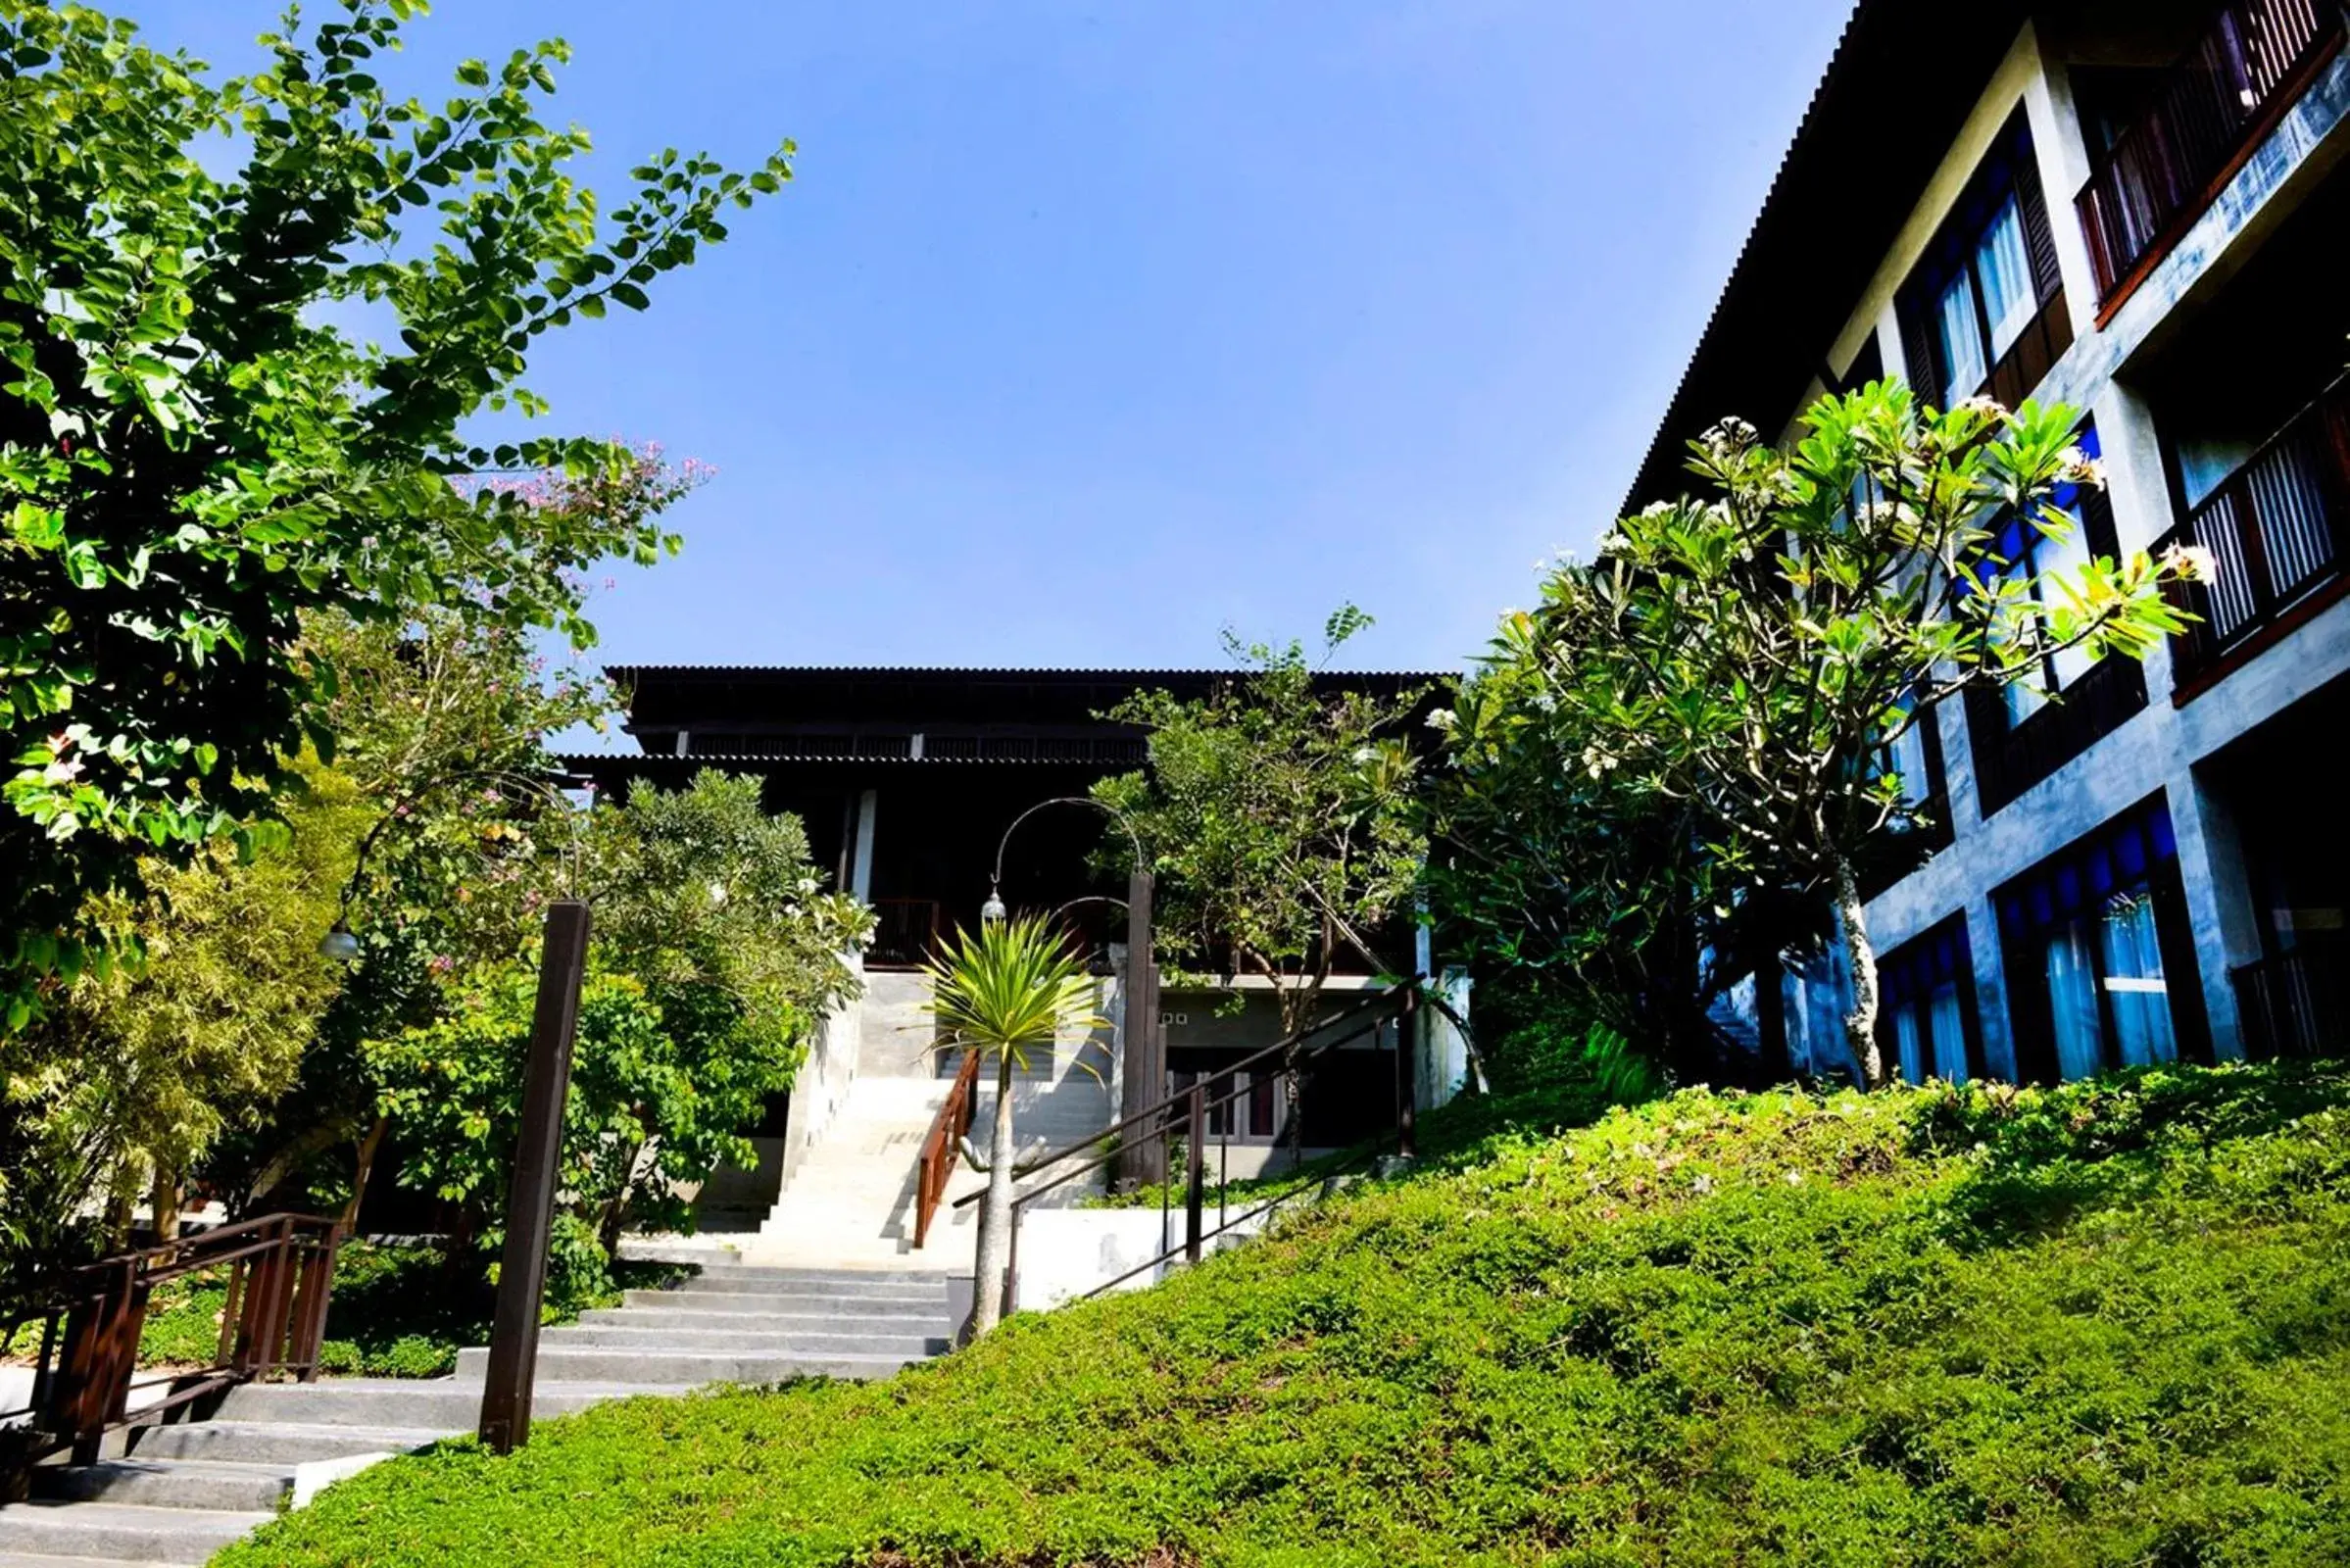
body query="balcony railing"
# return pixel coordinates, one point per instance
(2010, 758)
(905, 933)
(2164, 169)
(2292, 1005)
(2275, 532)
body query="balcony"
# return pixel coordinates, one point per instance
(2011, 759)
(2292, 1004)
(2275, 532)
(2161, 173)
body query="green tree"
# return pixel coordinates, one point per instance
(1002, 991)
(141, 1066)
(192, 453)
(715, 954)
(1753, 654)
(1280, 820)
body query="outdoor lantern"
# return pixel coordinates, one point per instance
(993, 911)
(339, 944)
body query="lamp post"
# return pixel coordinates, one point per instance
(1144, 1162)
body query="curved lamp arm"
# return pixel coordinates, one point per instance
(994, 909)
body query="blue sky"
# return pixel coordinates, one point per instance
(1091, 327)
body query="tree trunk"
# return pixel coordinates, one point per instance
(164, 1204)
(995, 1210)
(361, 1170)
(1860, 1024)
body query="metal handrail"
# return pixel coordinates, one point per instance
(1159, 1109)
(1396, 1005)
(936, 1162)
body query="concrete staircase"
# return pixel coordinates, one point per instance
(851, 1202)
(180, 1490)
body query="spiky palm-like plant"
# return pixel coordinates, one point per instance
(1003, 990)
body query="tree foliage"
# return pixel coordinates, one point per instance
(1723, 685)
(1279, 817)
(193, 455)
(715, 953)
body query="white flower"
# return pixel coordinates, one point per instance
(1991, 407)
(1443, 718)
(2190, 562)
(62, 771)
(717, 893)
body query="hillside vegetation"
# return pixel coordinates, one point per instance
(2104, 1324)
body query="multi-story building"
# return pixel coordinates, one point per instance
(2143, 210)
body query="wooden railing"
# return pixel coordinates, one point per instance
(2292, 1005)
(280, 1277)
(905, 932)
(2275, 532)
(2167, 165)
(942, 1146)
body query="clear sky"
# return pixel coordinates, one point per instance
(1091, 327)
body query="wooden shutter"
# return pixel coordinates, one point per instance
(1921, 351)
(2040, 239)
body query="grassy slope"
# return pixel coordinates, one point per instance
(2107, 1325)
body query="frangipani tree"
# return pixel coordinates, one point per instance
(1754, 651)
(1006, 990)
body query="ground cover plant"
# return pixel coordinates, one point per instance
(2103, 1324)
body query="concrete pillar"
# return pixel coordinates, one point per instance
(1993, 1016)
(2219, 900)
(860, 875)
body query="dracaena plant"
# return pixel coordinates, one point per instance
(1008, 988)
(194, 453)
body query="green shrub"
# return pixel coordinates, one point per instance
(2106, 1324)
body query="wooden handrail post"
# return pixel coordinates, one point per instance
(1194, 1161)
(530, 1204)
(1407, 1016)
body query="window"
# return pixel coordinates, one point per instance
(2100, 966)
(1928, 1017)
(1984, 309)
(2031, 555)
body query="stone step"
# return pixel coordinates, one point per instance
(816, 1278)
(797, 1343)
(686, 1319)
(845, 1295)
(230, 1486)
(122, 1531)
(797, 1303)
(452, 1405)
(281, 1443)
(668, 1370)
(30, 1559)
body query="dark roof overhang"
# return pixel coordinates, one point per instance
(1895, 95)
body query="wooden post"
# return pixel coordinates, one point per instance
(1143, 1160)
(530, 1206)
(1406, 1110)
(1194, 1160)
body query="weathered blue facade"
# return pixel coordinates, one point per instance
(2144, 212)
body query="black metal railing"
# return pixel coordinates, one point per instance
(2275, 531)
(1183, 1119)
(2011, 759)
(905, 933)
(2160, 174)
(2291, 1004)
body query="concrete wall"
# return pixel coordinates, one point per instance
(1065, 1253)
(822, 1084)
